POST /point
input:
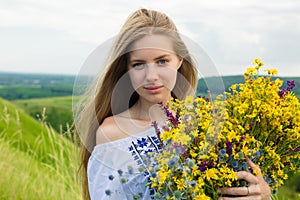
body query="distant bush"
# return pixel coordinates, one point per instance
(27, 86)
(19, 92)
(229, 80)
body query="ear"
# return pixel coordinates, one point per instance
(180, 62)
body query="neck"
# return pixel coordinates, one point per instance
(146, 111)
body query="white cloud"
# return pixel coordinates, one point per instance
(233, 32)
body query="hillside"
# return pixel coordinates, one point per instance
(24, 177)
(58, 110)
(230, 80)
(45, 162)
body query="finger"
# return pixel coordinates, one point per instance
(247, 176)
(240, 198)
(255, 167)
(234, 191)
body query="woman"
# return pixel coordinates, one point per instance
(148, 64)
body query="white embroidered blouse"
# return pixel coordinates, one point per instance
(112, 162)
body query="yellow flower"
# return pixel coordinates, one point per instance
(153, 182)
(232, 136)
(167, 135)
(183, 138)
(193, 153)
(188, 101)
(257, 61)
(245, 150)
(162, 175)
(211, 174)
(278, 82)
(202, 197)
(271, 71)
(180, 184)
(194, 133)
(251, 71)
(228, 182)
(195, 170)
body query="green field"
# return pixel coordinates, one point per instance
(36, 162)
(58, 110)
(26, 86)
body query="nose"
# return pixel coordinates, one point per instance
(151, 72)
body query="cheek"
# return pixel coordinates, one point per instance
(135, 79)
(169, 79)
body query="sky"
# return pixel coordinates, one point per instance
(57, 36)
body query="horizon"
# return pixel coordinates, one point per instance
(75, 75)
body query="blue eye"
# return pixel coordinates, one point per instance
(138, 65)
(162, 61)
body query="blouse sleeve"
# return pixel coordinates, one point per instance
(104, 180)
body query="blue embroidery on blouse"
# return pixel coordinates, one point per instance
(143, 146)
(142, 143)
(130, 148)
(140, 150)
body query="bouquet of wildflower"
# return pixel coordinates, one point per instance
(205, 143)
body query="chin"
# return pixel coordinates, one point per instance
(156, 100)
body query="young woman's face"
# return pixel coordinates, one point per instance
(153, 68)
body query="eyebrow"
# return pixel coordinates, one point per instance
(159, 57)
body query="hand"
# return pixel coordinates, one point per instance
(257, 189)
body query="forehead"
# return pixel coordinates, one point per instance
(149, 54)
(159, 42)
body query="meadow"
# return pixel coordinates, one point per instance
(58, 110)
(39, 151)
(36, 161)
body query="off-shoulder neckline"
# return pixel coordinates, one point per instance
(125, 139)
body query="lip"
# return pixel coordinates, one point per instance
(153, 89)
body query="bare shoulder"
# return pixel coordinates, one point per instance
(109, 131)
(118, 127)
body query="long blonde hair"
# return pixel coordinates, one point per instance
(135, 27)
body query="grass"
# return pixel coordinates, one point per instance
(36, 162)
(291, 189)
(58, 110)
(24, 177)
